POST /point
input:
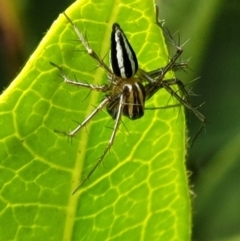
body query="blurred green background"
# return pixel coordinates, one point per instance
(213, 33)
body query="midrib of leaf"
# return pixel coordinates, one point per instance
(77, 172)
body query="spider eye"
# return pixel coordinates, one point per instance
(123, 59)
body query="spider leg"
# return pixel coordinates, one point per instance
(110, 143)
(97, 109)
(166, 84)
(100, 88)
(175, 67)
(158, 74)
(163, 107)
(172, 65)
(180, 85)
(156, 80)
(151, 89)
(89, 50)
(153, 74)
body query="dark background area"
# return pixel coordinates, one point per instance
(212, 28)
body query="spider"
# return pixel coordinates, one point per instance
(129, 86)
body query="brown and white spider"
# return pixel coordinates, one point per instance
(129, 86)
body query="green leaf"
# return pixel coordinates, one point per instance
(141, 190)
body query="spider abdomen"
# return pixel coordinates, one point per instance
(123, 59)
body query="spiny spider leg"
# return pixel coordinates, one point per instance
(110, 143)
(97, 109)
(199, 115)
(150, 75)
(175, 67)
(156, 82)
(157, 75)
(151, 89)
(90, 51)
(163, 107)
(171, 64)
(179, 83)
(166, 84)
(101, 88)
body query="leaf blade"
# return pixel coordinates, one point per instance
(131, 177)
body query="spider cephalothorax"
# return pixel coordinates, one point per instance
(133, 93)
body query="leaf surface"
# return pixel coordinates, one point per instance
(140, 192)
